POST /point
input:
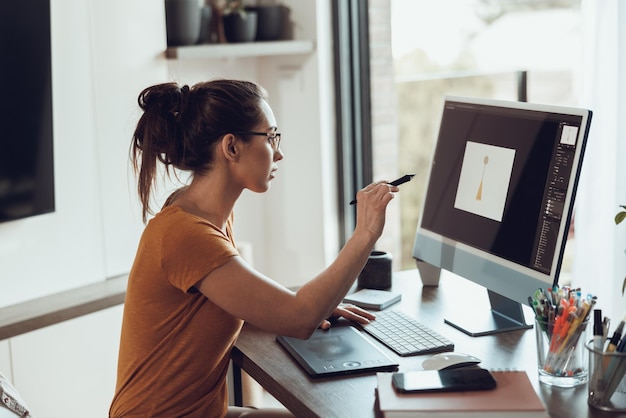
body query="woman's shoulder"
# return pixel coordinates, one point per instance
(169, 213)
(176, 218)
(177, 215)
(182, 233)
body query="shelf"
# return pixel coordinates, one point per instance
(49, 310)
(248, 49)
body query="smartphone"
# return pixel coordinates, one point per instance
(443, 380)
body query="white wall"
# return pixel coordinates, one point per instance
(5, 360)
(68, 370)
(103, 55)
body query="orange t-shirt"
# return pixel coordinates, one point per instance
(175, 343)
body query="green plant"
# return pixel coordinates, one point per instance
(235, 7)
(620, 215)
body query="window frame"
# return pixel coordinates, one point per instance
(352, 106)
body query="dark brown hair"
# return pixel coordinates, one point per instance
(180, 126)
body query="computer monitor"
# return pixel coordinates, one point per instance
(498, 203)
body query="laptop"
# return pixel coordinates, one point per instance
(339, 350)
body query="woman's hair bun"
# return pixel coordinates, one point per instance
(166, 97)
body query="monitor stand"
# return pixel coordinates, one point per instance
(504, 315)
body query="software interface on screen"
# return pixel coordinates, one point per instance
(499, 181)
(500, 194)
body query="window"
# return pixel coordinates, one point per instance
(422, 50)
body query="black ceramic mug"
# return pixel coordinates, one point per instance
(377, 271)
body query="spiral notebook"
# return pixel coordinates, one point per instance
(338, 350)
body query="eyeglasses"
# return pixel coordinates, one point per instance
(272, 137)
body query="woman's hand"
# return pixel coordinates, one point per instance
(372, 202)
(351, 312)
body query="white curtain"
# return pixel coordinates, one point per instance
(600, 260)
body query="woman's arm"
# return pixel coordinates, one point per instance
(247, 294)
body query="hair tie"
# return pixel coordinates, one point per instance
(184, 98)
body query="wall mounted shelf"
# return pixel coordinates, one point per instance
(239, 50)
(53, 309)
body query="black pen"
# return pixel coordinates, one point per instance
(598, 331)
(617, 335)
(396, 182)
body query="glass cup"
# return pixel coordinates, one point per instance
(607, 384)
(562, 360)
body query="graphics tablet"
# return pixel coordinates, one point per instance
(338, 350)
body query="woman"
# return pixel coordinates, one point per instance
(189, 291)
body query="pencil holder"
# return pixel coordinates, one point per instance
(607, 385)
(562, 359)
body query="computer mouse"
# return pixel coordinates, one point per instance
(442, 361)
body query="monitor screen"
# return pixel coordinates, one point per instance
(26, 159)
(499, 197)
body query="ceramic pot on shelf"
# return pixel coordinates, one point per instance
(182, 22)
(271, 22)
(240, 27)
(206, 17)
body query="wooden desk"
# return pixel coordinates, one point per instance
(258, 353)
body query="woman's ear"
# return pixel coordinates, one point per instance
(230, 147)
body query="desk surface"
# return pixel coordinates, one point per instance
(258, 353)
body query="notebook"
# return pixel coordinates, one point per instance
(373, 298)
(513, 397)
(338, 350)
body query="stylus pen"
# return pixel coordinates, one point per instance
(396, 182)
